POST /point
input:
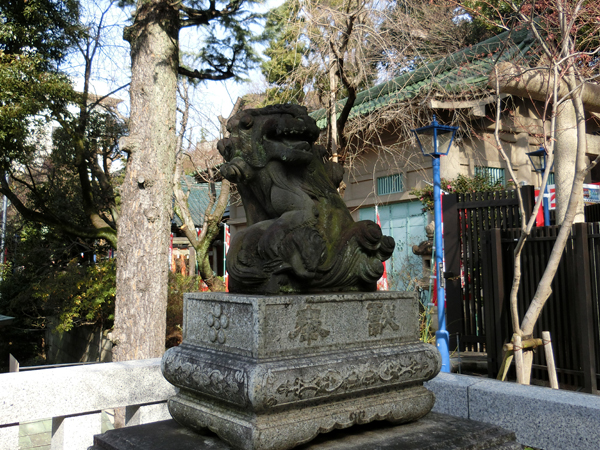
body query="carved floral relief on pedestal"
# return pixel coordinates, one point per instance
(417, 366)
(223, 382)
(217, 322)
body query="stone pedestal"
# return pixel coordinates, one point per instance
(271, 372)
(432, 432)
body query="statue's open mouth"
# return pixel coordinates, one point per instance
(292, 134)
(297, 144)
(289, 143)
(289, 149)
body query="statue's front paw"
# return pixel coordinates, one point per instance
(231, 172)
(269, 244)
(237, 170)
(371, 239)
(386, 248)
(304, 250)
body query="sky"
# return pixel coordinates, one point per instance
(112, 68)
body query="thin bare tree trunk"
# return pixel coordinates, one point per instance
(518, 352)
(544, 288)
(568, 127)
(547, 342)
(214, 210)
(514, 312)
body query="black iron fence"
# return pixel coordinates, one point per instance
(480, 232)
(571, 313)
(592, 213)
(466, 218)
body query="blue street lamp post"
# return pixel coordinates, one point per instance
(538, 161)
(435, 140)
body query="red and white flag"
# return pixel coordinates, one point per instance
(382, 284)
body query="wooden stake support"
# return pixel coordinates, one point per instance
(506, 360)
(525, 344)
(529, 345)
(518, 353)
(550, 359)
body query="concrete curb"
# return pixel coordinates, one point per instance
(540, 417)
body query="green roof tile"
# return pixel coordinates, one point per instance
(198, 199)
(467, 67)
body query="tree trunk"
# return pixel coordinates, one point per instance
(210, 231)
(566, 162)
(147, 192)
(545, 285)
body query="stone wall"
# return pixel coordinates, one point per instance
(86, 343)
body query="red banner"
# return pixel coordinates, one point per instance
(382, 284)
(227, 242)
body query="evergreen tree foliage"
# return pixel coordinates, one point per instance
(33, 43)
(285, 52)
(50, 275)
(56, 152)
(227, 30)
(42, 28)
(51, 137)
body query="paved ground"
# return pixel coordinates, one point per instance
(37, 435)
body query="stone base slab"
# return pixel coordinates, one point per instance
(288, 429)
(280, 326)
(433, 432)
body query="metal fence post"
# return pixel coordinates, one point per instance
(493, 299)
(454, 303)
(583, 304)
(528, 195)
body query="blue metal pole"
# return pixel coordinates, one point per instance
(546, 207)
(442, 337)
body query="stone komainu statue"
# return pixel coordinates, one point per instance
(300, 235)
